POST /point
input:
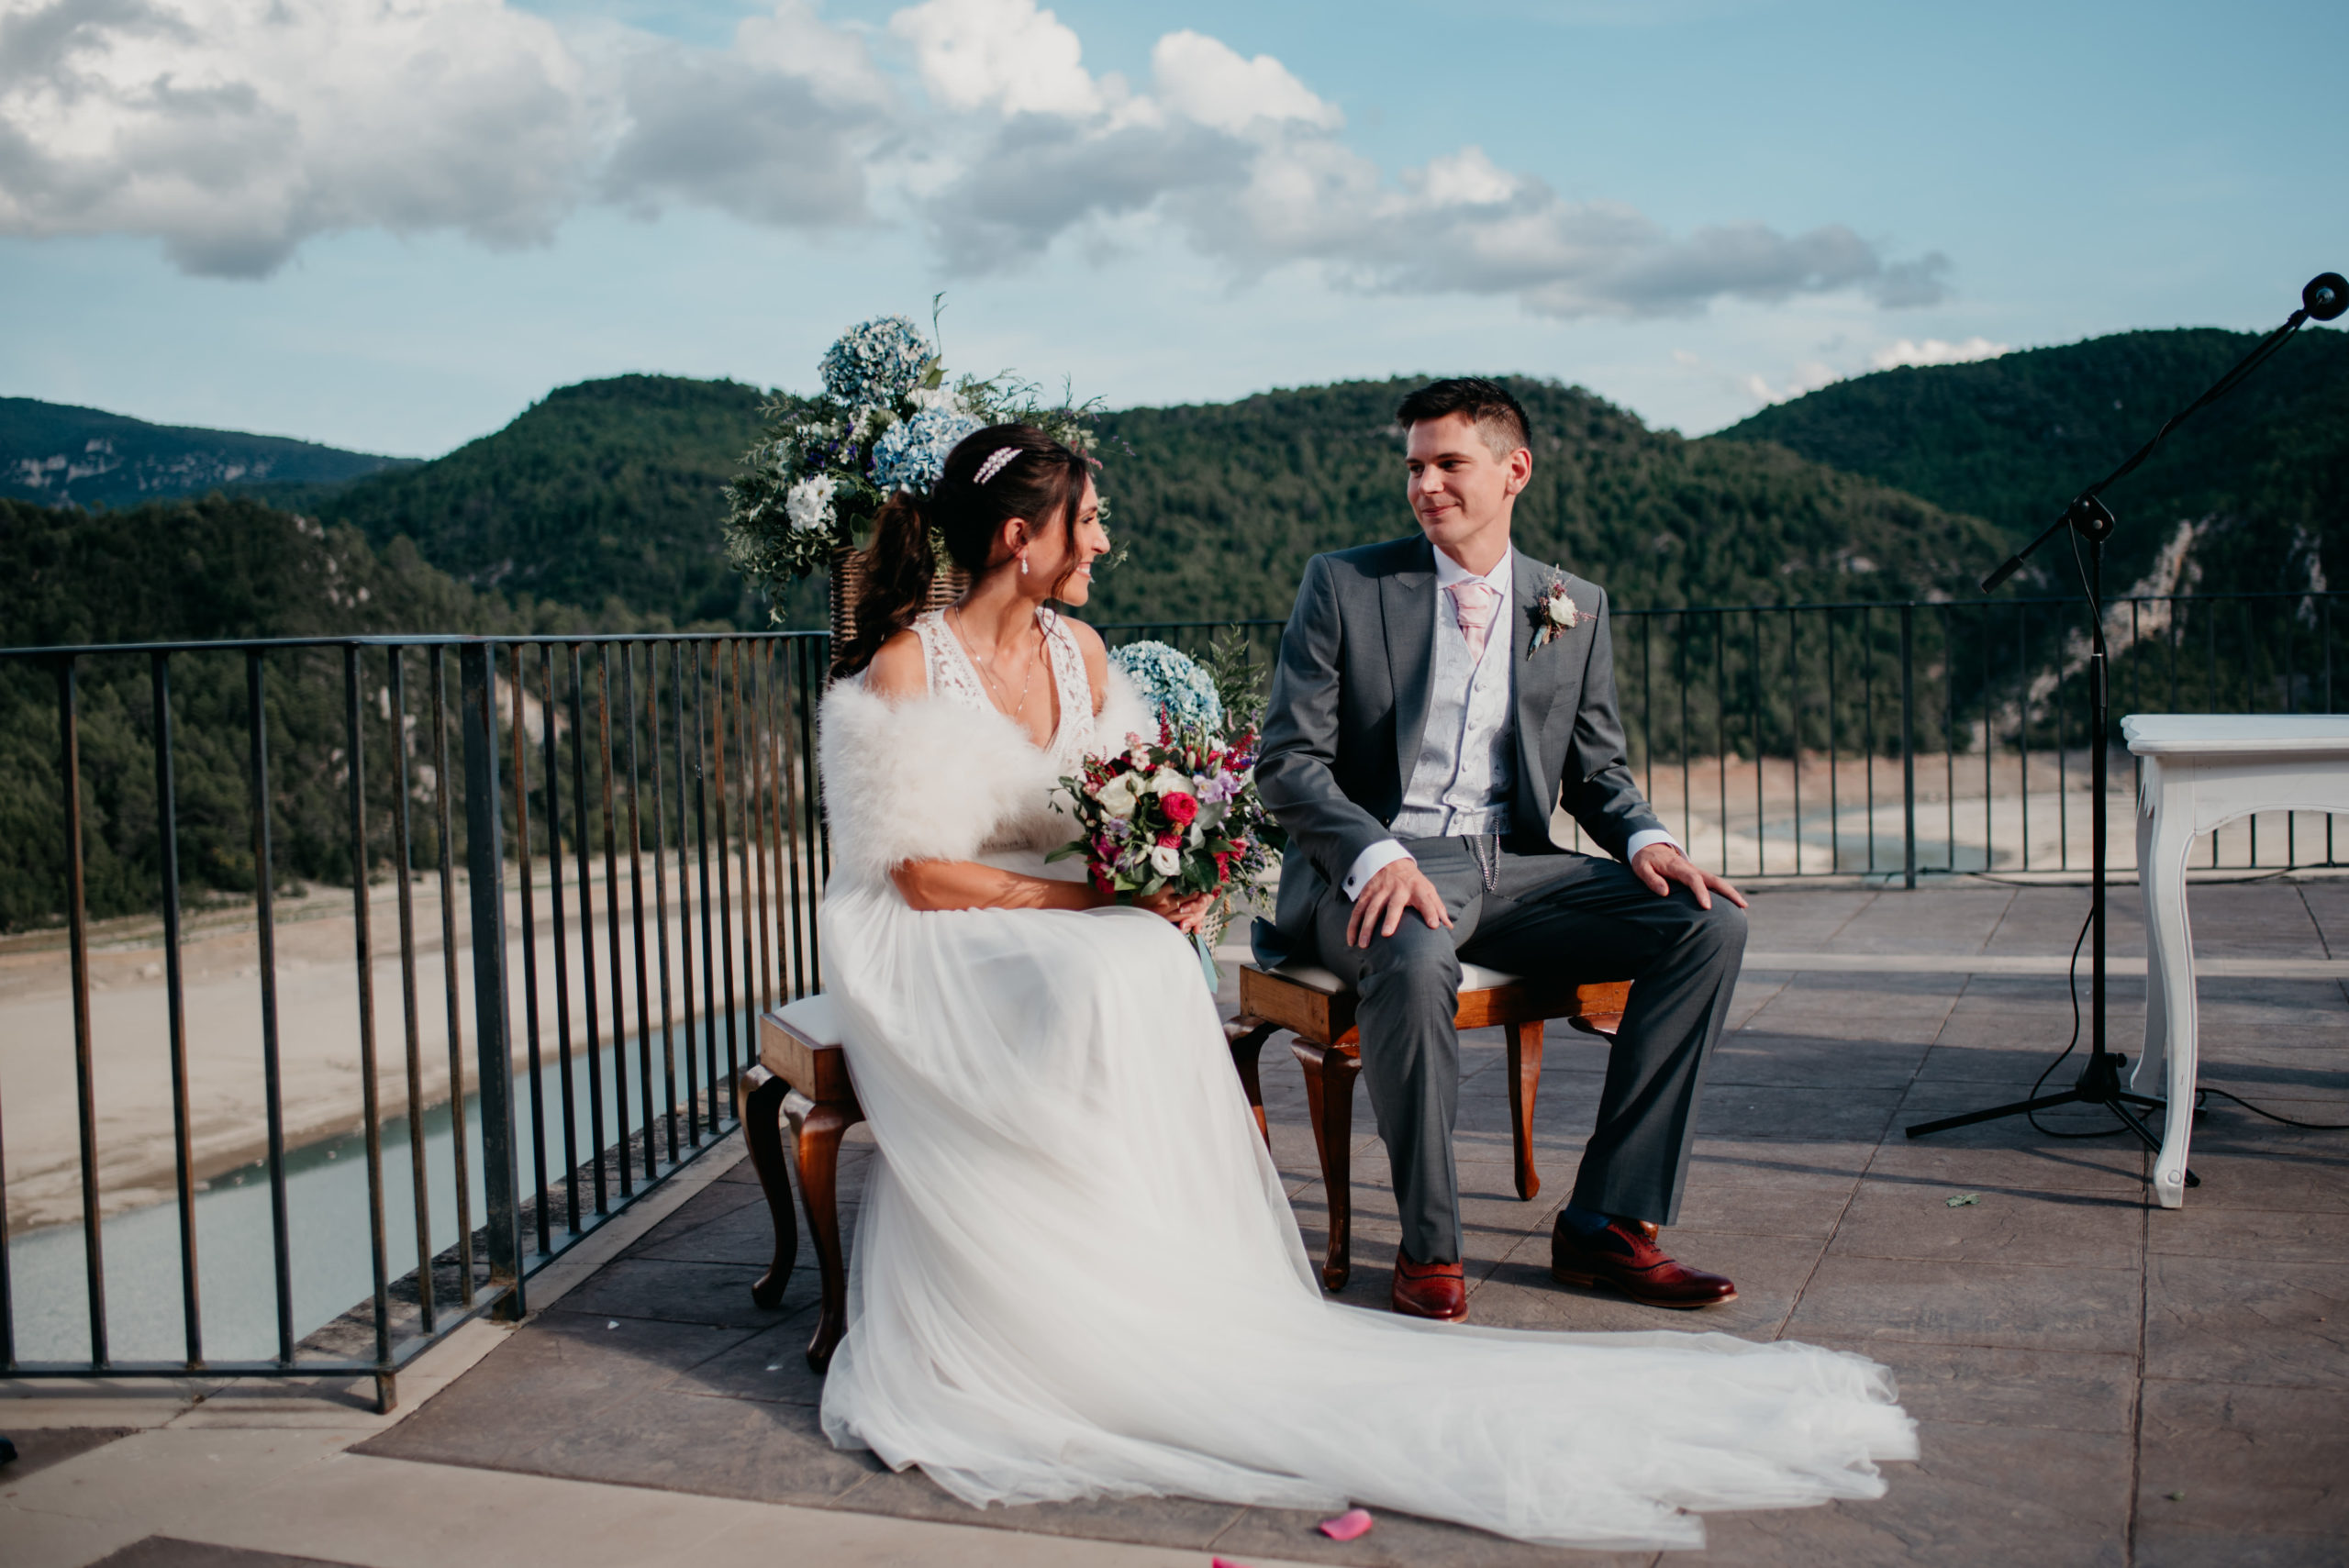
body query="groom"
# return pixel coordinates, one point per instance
(1425, 716)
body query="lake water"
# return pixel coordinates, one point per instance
(326, 1190)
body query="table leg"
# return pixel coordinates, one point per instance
(2164, 836)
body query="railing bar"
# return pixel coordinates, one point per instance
(775, 750)
(68, 735)
(520, 739)
(1867, 720)
(701, 849)
(2023, 720)
(661, 893)
(561, 928)
(685, 898)
(820, 841)
(612, 923)
(494, 1029)
(1949, 736)
(1720, 728)
(759, 800)
(1793, 728)
(462, 1163)
(788, 835)
(636, 913)
(582, 840)
(167, 839)
(1835, 774)
(364, 957)
(745, 767)
(403, 871)
(725, 874)
(2063, 772)
(1688, 789)
(1754, 727)
(265, 931)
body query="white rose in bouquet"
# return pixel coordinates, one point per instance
(1121, 795)
(1171, 781)
(1165, 858)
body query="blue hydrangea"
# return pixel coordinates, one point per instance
(911, 454)
(1171, 683)
(875, 363)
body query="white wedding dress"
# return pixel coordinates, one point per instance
(1076, 1274)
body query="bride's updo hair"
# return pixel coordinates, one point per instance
(1040, 481)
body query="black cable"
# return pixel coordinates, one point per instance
(2271, 1116)
(2072, 980)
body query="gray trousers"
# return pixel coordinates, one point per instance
(1570, 919)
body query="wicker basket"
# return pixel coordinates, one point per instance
(851, 574)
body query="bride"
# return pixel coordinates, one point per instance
(1075, 1273)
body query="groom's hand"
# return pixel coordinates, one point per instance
(1661, 865)
(1393, 888)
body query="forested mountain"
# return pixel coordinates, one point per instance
(2265, 471)
(606, 490)
(197, 569)
(1222, 503)
(60, 455)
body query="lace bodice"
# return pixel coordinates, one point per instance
(954, 675)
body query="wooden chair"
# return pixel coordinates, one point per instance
(1319, 1008)
(801, 1078)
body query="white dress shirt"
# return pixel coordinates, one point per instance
(1467, 763)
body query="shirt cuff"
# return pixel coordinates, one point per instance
(1643, 839)
(1385, 853)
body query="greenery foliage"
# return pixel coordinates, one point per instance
(218, 568)
(2011, 440)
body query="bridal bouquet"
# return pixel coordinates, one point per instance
(884, 422)
(1179, 812)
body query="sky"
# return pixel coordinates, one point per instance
(392, 225)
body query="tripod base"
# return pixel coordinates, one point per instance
(2098, 1084)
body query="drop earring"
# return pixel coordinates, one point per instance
(1023, 562)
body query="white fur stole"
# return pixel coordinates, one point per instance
(930, 778)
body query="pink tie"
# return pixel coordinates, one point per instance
(1474, 602)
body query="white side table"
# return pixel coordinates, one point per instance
(2201, 772)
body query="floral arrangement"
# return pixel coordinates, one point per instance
(1180, 812)
(1177, 690)
(884, 421)
(1552, 613)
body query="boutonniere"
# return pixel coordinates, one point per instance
(1551, 612)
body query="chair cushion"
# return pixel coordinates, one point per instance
(1473, 977)
(817, 1018)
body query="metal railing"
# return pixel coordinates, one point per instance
(1901, 737)
(614, 845)
(676, 777)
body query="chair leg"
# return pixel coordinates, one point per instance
(1524, 1080)
(820, 1161)
(1247, 1035)
(1330, 1094)
(761, 1093)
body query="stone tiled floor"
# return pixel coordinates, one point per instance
(2096, 1382)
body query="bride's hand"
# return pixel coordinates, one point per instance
(1184, 911)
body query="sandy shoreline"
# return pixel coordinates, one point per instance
(319, 1029)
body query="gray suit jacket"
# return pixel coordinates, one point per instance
(1349, 704)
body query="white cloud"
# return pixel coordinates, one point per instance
(233, 129)
(1934, 351)
(1208, 82)
(1001, 54)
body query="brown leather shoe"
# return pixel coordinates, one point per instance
(1625, 1255)
(1430, 1290)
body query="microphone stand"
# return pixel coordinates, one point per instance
(2089, 519)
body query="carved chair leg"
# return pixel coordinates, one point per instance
(761, 1093)
(820, 1162)
(1247, 1035)
(1524, 1080)
(1330, 1094)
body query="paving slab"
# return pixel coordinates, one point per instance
(2227, 1462)
(2075, 1355)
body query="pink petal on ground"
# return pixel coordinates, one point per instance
(1348, 1525)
